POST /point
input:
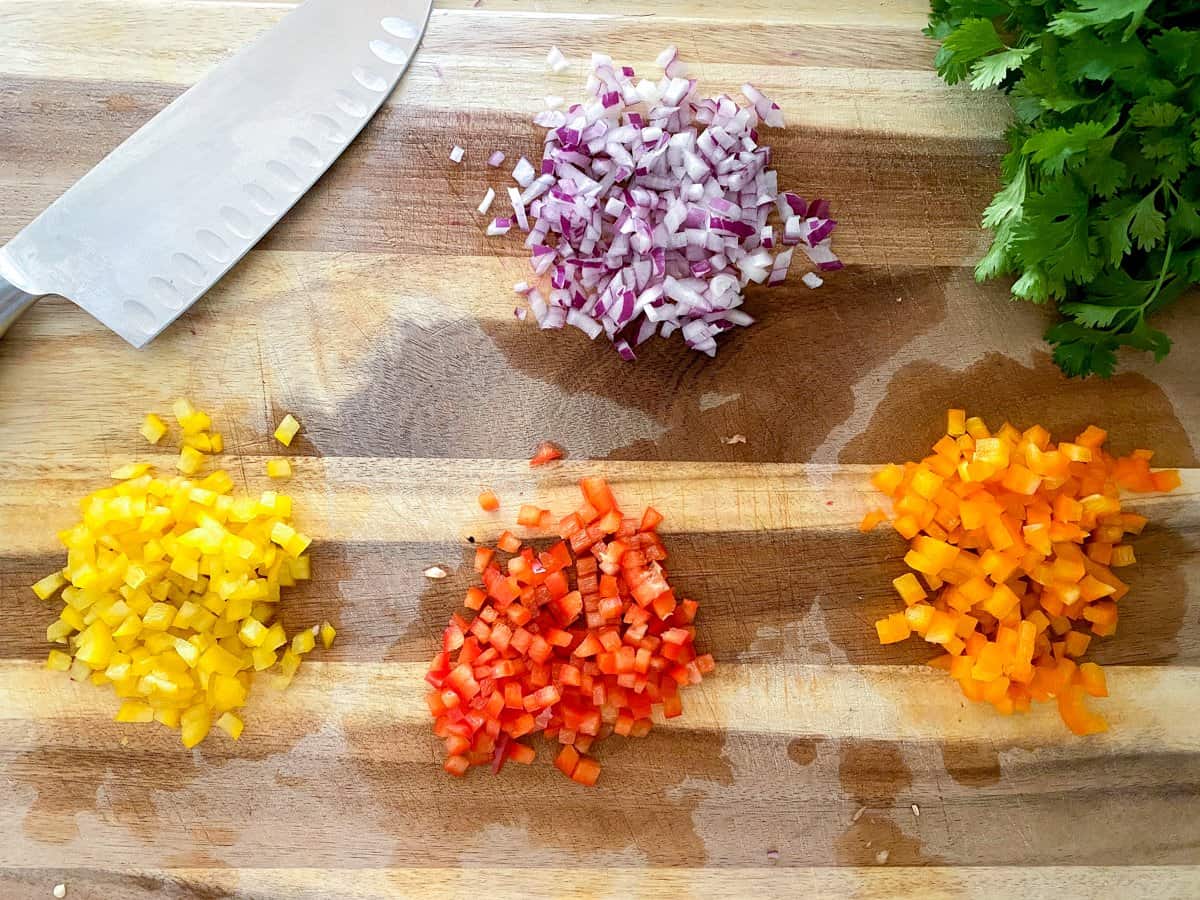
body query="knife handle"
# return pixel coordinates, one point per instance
(13, 302)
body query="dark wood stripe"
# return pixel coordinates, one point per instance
(793, 597)
(395, 190)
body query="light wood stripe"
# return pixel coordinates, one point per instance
(895, 703)
(347, 499)
(615, 883)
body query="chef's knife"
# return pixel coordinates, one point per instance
(146, 232)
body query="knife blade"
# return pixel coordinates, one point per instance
(157, 222)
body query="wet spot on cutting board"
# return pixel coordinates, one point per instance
(787, 380)
(861, 843)
(971, 763)
(116, 784)
(912, 415)
(876, 780)
(643, 804)
(420, 396)
(872, 772)
(802, 751)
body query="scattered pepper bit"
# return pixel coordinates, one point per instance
(279, 468)
(435, 572)
(287, 430)
(328, 633)
(546, 452)
(169, 593)
(489, 502)
(153, 428)
(1016, 538)
(576, 664)
(871, 519)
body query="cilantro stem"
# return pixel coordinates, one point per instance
(1161, 277)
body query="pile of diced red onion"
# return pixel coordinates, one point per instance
(651, 210)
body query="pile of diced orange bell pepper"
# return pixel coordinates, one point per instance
(1015, 540)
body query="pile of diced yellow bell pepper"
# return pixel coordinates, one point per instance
(171, 586)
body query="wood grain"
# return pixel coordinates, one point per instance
(379, 314)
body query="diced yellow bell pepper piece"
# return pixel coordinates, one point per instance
(153, 428)
(225, 692)
(328, 632)
(58, 661)
(252, 632)
(279, 468)
(276, 637)
(49, 586)
(168, 716)
(218, 442)
(95, 646)
(201, 441)
(190, 461)
(195, 724)
(287, 430)
(159, 617)
(289, 664)
(303, 642)
(135, 711)
(264, 658)
(129, 471)
(231, 725)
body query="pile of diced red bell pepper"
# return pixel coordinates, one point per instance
(578, 641)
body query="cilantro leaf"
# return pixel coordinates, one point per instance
(1092, 315)
(1052, 148)
(1151, 113)
(1101, 172)
(1143, 337)
(1087, 57)
(1179, 50)
(1080, 351)
(992, 70)
(1113, 230)
(1007, 203)
(997, 260)
(1053, 232)
(971, 40)
(1185, 220)
(1099, 14)
(1148, 226)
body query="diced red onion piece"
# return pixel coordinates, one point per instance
(556, 61)
(496, 159)
(523, 173)
(486, 203)
(518, 206)
(498, 226)
(456, 154)
(812, 279)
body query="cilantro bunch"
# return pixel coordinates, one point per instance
(1100, 206)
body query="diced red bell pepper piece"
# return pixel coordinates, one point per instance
(567, 760)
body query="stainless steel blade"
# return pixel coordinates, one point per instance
(144, 234)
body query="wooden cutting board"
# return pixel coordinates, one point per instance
(379, 314)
